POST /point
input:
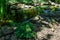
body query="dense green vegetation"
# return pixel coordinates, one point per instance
(56, 1)
(25, 30)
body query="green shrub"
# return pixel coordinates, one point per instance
(25, 30)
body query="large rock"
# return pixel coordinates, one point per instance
(6, 30)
